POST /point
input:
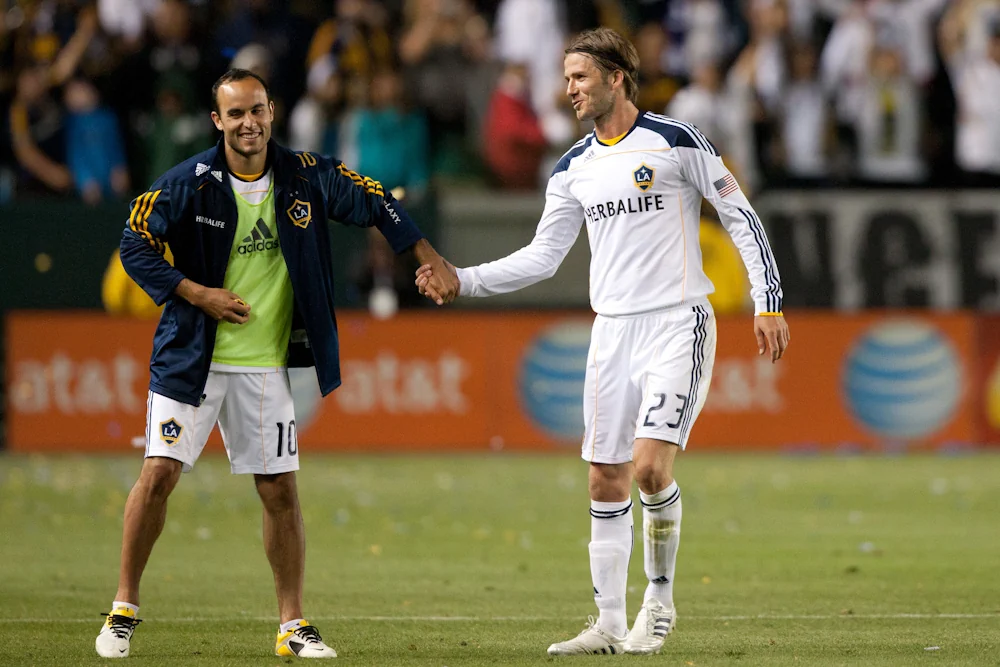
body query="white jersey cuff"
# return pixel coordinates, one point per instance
(465, 279)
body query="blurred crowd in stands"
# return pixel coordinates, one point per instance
(102, 97)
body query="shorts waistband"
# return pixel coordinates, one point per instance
(683, 305)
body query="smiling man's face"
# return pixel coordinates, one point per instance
(588, 89)
(244, 116)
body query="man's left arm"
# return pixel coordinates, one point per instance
(707, 172)
(359, 200)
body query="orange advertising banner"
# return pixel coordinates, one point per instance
(988, 403)
(75, 381)
(446, 381)
(860, 381)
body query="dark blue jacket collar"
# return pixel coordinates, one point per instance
(279, 157)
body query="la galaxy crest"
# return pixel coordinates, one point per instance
(300, 213)
(643, 177)
(170, 431)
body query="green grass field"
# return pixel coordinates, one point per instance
(448, 561)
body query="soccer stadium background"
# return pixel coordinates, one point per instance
(838, 504)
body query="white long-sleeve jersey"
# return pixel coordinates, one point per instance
(641, 201)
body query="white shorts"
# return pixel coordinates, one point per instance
(255, 415)
(647, 377)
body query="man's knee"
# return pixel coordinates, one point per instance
(654, 464)
(652, 476)
(277, 492)
(159, 476)
(610, 482)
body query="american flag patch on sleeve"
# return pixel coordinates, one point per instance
(726, 185)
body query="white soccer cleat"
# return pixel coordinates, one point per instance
(302, 641)
(115, 637)
(652, 625)
(594, 640)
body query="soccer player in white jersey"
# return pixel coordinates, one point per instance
(637, 182)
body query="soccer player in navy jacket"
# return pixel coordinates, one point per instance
(250, 293)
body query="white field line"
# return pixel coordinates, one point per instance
(515, 619)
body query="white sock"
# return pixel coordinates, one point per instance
(118, 604)
(285, 627)
(610, 549)
(661, 536)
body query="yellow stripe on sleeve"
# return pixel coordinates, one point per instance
(139, 203)
(370, 185)
(778, 314)
(353, 175)
(157, 243)
(139, 219)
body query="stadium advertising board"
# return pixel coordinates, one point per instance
(886, 249)
(988, 394)
(864, 381)
(435, 381)
(75, 381)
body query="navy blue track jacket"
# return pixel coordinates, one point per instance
(192, 207)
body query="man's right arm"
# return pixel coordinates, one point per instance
(557, 231)
(142, 246)
(144, 242)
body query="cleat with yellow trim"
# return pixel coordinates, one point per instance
(302, 641)
(114, 640)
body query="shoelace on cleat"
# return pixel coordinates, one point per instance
(591, 626)
(122, 626)
(309, 633)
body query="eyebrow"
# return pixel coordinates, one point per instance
(235, 110)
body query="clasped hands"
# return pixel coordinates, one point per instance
(436, 278)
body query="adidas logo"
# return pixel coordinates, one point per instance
(218, 175)
(260, 239)
(200, 169)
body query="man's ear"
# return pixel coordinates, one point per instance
(217, 121)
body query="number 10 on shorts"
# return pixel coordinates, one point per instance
(293, 443)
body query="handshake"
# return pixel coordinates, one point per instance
(438, 281)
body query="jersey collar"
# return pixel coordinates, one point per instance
(618, 139)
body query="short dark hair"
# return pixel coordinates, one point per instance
(610, 52)
(235, 75)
